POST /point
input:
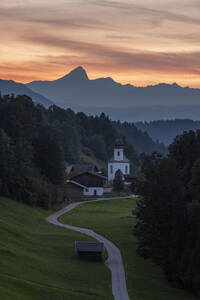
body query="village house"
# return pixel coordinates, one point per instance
(93, 183)
(85, 184)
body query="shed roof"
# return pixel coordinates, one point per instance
(89, 246)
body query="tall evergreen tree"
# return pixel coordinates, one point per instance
(49, 156)
(168, 227)
(118, 182)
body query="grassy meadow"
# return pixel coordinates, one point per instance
(38, 261)
(114, 220)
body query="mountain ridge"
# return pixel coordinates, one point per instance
(17, 88)
(76, 88)
(80, 69)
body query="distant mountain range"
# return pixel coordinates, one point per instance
(12, 87)
(120, 102)
(77, 89)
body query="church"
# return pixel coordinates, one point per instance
(118, 161)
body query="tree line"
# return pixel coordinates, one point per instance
(139, 137)
(168, 212)
(165, 131)
(31, 154)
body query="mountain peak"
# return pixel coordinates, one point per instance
(77, 74)
(175, 85)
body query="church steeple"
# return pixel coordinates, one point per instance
(119, 143)
(119, 150)
(119, 161)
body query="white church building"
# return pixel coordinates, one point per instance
(118, 161)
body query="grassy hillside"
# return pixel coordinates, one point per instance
(37, 259)
(86, 159)
(114, 220)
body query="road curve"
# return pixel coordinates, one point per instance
(114, 261)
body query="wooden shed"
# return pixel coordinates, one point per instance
(89, 250)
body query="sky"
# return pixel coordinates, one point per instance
(132, 41)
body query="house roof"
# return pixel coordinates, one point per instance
(76, 184)
(92, 174)
(80, 168)
(89, 246)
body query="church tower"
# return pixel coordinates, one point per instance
(118, 161)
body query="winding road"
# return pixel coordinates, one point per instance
(114, 261)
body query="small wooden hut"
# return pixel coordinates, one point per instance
(89, 250)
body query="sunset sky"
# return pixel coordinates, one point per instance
(141, 42)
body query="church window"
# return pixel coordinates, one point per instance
(111, 169)
(118, 153)
(126, 169)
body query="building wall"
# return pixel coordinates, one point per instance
(73, 193)
(113, 167)
(90, 191)
(92, 256)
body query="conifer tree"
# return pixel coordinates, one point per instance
(118, 183)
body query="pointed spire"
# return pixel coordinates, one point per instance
(119, 143)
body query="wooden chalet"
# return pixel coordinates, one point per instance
(93, 183)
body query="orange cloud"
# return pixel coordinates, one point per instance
(132, 43)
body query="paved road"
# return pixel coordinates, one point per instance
(114, 261)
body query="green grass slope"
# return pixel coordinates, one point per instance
(114, 220)
(86, 159)
(38, 261)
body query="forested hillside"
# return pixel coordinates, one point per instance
(31, 154)
(86, 137)
(168, 212)
(37, 143)
(139, 139)
(165, 131)
(95, 136)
